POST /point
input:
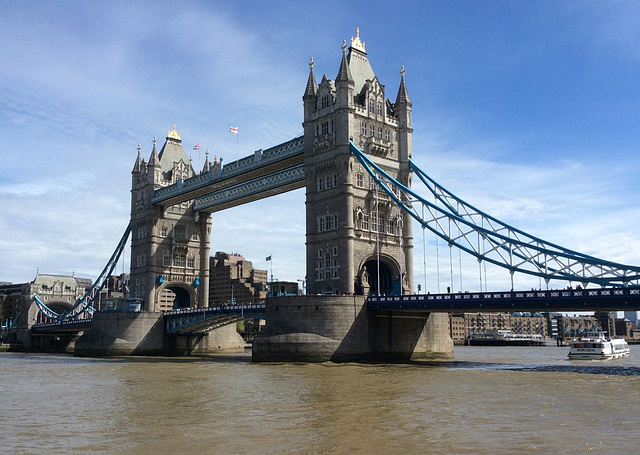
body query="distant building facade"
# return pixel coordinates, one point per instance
(58, 292)
(234, 280)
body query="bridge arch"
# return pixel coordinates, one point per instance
(176, 295)
(367, 276)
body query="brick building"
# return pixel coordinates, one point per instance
(233, 279)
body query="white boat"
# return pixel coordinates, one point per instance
(506, 338)
(598, 347)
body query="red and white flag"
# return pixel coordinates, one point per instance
(196, 147)
(234, 129)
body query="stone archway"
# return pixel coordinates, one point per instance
(171, 296)
(388, 275)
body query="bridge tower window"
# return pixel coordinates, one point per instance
(179, 260)
(363, 128)
(179, 232)
(191, 261)
(360, 180)
(166, 260)
(391, 227)
(164, 231)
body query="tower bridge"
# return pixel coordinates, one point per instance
(355, 162)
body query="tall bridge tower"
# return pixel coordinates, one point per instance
(170, 245)
(358, 240)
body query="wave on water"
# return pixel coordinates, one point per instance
(612, 370)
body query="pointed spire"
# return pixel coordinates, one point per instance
(206, 162)
(137, 167)
(154, 160)
(312, 86)
(403, 94)
(344, 74)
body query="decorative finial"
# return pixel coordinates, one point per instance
(173, 134)
(356, 43)
(344, 46)
(311, 63)
(139, 148)
(402, 72)
(154, 141)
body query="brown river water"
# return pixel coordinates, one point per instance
(493, 400)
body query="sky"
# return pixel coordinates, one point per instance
(526, 110)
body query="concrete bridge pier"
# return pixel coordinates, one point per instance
(143, 334)
(339, 328)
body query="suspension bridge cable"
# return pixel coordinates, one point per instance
(424, 253)
(534, 256)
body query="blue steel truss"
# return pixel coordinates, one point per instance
(193, 321)
(85, 304)
(488, 239)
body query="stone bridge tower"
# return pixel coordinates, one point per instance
(170, 245)
(358, 240)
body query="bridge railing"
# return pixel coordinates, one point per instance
(510, 295)
(64, 324)
(259, 158)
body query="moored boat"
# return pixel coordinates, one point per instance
(506, 338)
(598, 347)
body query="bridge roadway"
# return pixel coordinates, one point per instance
(62, 327)
(196, 321)
(604, 299)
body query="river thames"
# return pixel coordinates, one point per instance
(499, 400)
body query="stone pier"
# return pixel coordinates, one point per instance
(130, 333)
(339, 328)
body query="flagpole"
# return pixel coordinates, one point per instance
(234, 130)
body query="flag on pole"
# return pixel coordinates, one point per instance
(196, 147)
(268, 258)
(234, 129)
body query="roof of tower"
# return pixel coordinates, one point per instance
(312, 86)
(344, 74)
(206, 166)
(361, 70)
(172, 152)
(137, 167)
(154, 160)
(403, 94)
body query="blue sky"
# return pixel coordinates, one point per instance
(527, 110)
